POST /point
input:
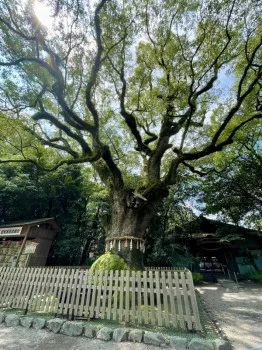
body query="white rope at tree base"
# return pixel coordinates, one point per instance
(125, 242)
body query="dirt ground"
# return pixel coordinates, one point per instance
(238, 309)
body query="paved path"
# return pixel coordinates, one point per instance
(20, 338)
(238, 310)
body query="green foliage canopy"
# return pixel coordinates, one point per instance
(66, 194)
(234, 190)
(132, 87)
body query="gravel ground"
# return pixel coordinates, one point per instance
(238, 309)
(19, 338)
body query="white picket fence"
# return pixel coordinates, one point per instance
(164, 298)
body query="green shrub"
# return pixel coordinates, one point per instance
(255, 276)
(109, 261)
(197, 278)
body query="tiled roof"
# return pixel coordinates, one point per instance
(30, 222)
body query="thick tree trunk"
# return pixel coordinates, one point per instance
(130, 217)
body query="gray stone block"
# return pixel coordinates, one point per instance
(136, 335)
(12, 320)
(26, 321)
(178, 343)
(20, 312)
(55, 324)
(154, 339)
(105, 333)
(39, 323)
(72, 328)
(201, 344)
(120, 334)
(90, 331)
(222, 344)
(2, 317)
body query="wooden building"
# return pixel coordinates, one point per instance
(219, 248)
(27, 243)
(224, 248)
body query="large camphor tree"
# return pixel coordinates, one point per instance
(140, 90)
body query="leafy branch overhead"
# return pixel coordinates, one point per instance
(132, 88)
(235, 190)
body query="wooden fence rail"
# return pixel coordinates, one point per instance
(79, 267)
(163, 298)
(157, 268)
(147, 268)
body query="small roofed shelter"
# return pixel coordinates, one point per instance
(27, 243)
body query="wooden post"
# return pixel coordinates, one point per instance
(22, 246)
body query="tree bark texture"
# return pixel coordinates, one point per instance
(127, 226)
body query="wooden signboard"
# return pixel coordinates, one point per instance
(10, 231)
(30, 248)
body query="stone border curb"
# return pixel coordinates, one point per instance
(121, 334)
